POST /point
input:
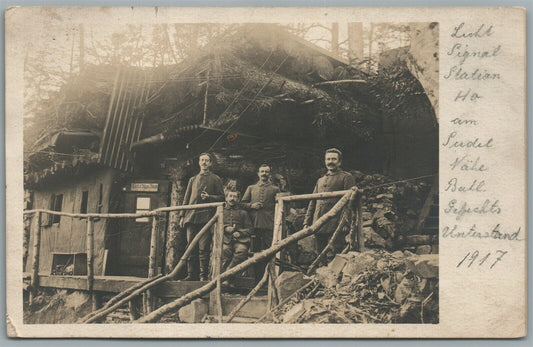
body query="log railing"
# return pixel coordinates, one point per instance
(148, 300)
(280, 241)
(282, 202)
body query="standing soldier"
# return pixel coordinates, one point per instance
(260, 200)
(237, 230)
(335, 179)
(203, 188)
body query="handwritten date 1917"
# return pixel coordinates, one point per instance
(476, 258)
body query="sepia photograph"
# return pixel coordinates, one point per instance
(231, 173)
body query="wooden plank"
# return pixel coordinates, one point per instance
(104, 265)
(105, 138)
(90, 254)
(35, 262)
(90, 263)
(175, 289)
(114, 284)
(254, 308)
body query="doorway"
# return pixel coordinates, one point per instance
(135, 233)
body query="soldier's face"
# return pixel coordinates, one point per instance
(232, 198)
(264, 173)
(205, 162)
(332, 161)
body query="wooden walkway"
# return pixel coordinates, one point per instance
(117, 284)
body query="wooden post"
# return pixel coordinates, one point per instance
(152, 264)
(134, 306)
(283, 232)
(273, 269)
(96, 300)
(35, 263)
(90, 259)
(215, 297)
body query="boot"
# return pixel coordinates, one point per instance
(204, 269)
(192, 272)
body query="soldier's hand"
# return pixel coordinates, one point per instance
(229, 229)
(236, 234)
(257, 205)
(204, 195)
(180, 222)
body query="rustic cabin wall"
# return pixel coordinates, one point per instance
(69, 234)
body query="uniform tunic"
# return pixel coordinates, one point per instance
(212, 185)
(264, 193)
(330, 182)
(235, 250)
(234, 216)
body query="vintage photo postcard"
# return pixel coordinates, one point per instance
(266, 172)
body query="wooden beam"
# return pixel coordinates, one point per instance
(129, 215)
(325, 83)
(35, 262)
(90, 254)
(114, 284)
(90, 261)
(152, 263)
(317, 196)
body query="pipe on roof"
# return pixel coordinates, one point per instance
(164, 136)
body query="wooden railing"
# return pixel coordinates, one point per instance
(280, 241)
(279, 232)
(148, 302)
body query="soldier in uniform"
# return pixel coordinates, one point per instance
(335, 179)
(237, 230)
(260, 200)
(203, 188)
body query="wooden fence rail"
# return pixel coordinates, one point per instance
(272, 271)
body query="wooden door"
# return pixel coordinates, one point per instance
(134, 248)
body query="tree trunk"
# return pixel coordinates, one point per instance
(335, 38)
(355, 42)
(82, 48)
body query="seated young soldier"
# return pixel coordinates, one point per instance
(237, 229)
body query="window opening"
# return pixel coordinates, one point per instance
(56, 204)
(142, 205)
(84, 201)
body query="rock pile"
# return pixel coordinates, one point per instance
(391, 212)
(370, 287)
